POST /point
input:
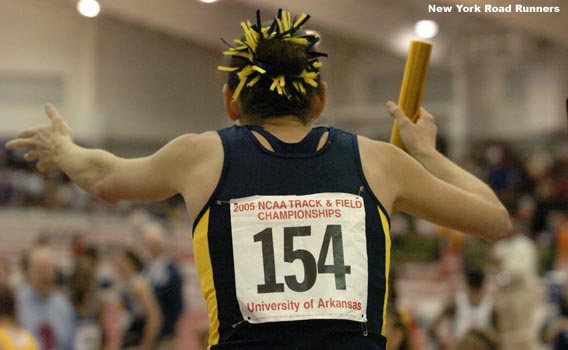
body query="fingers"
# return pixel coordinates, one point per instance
(397, 113)
(52, 112)
(35, 155)
(31, 132)
(425, 115)
(56, 118)
(22, 143)
(31, 156)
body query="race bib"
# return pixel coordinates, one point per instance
(300, 257)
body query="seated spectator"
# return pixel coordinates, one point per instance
(12, 336)
(141, 317)
(42, 310)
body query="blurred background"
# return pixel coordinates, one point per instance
(141, 72)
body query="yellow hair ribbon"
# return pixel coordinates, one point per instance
(279, 82)
(258, 69)
(286, 20)
(299, 87)
(243, 74)
(300, 19)
(250, 37)
(299, 41)
(227, 69)
(242, 45)
(254, 80)
(279, 24)
(309, 78)
(238, 90)
(246, 55)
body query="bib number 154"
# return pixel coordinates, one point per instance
(332, 238)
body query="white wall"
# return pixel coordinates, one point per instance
(120, 84)
(46, 42)
(152, 86)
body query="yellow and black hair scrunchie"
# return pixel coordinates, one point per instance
(284, 28)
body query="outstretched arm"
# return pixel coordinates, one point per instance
(99, 172)
(439, 190)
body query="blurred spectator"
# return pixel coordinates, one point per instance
(166, 282)
(12, 336)
(77, 247)
(88, 306)
(141, 319)
(506, 174)
(470, 310)
(552, 192)
(44, 311)
(555, 330)
(517, 292)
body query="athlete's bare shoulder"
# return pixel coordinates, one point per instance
(194, 148)
(379, 150)
(200, 162)
(196, 142)
(379, 161)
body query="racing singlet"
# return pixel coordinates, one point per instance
(292, 249)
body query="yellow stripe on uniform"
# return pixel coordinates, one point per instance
(205, 273)
(385, 224)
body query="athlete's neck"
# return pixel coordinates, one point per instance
(288, 128)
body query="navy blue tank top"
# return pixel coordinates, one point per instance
(249, 169)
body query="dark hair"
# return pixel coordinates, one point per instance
(7, 302)
(474, 278)
(81, 283)
(134, 258)
(92, 253)
(283, 58)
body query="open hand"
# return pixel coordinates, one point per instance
(418, 137)
(44, 142)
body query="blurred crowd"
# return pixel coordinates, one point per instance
(122, 298)
(23, 186)
(510, 296)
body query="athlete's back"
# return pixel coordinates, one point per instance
(307, 255)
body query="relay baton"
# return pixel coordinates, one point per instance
(412, 88)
